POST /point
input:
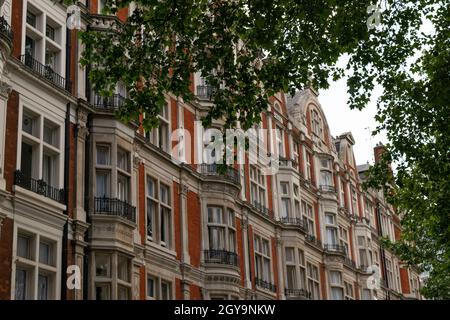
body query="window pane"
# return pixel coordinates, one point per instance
(47, 169)
(151, 211)
(43, 286)
(103, 291)
(21, 284)
(102, 265)
(102, 184)
(123, 272)
(337, 293)
(165, 291)
(103, 155)
(284, 188)
(151, 183)
(291, 277)
(45, 253)
(123, 293)
(290, 255)
(335, 277)
(23, 247)
(151, 287)
(216, 238)
(285, 207)
(164, 194)
(122, 187)
(51, 134)
(215, 215)
(122, 160)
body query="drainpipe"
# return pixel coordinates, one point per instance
(87, 191)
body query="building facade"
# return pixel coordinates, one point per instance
(80, 190)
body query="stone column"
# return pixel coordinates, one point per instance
(279, 242)
(79, 225)
(244, 258)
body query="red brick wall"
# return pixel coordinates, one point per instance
(178, 291)
(189, 126)
(16, 26)
(275, 265)
(240, 249)
(93, 6)
(6, 244)
(122, 14)
(143, 284)
(404, 281)
(11, 139)
(195, 292)
(251, 250)
(177, 219)
(194, 228)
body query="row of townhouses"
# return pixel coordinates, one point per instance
(82, 191)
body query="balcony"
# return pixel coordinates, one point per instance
(262, 209)
(297, 293)
(114, 207)
(287, 163)
(313, 240)
(5, 29)
(298, 222)
(229, 173)
(349, 263)
(265, 285)
(108, 103)
(45, 71)
(39, 187)
(204, 92)
(335, 248)
(221, 257)
(327, 189)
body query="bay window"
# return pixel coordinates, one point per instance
(112, 276)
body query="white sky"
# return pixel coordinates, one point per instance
(360, 123)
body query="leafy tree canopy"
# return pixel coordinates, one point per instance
(249, 49)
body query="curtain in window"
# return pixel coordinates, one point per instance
(21, 284)
(216, 238)
(337, 293)
(331, 236)
(42, 287)
(102, 184)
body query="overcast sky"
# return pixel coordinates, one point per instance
(360, 123)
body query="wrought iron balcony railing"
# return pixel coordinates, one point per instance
(313, 240)
(335, 248)
(45, 71)
(326, 188)
(265, 285)
(349, 263)
(114, 207)
(262, 209)
(228, 173)
(298, 222)
(298, 293)
(287, 163)
(204, 92)
(221, 257)
(108, 103)
(5, 28)
(39, 187)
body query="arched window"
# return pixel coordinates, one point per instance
(316, 123)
